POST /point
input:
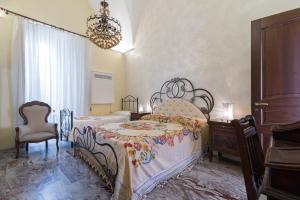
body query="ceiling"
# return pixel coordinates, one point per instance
(128, 12)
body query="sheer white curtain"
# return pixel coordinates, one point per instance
(49, 65)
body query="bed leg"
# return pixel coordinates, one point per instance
(46, 142)
(74, 152)
(74, 149)
(27, 144)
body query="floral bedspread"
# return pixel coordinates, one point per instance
(142, 139)
(149, 146)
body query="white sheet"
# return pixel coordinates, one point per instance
(96, 121)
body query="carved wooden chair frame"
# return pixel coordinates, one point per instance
(251, 153)
(21, 112)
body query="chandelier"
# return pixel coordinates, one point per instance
(103, 30)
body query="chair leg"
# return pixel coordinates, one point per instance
(46, 145)
(220, 155)
(27, 146)
(57, 147)
(17, 149)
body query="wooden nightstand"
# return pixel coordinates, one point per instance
(136, 116)
(222, 138)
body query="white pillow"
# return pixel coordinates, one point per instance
(123, 113)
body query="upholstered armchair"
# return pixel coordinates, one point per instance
(36, 127)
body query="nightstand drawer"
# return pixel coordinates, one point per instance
(223, 129)
(225, 142)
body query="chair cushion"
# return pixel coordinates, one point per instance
(46, 127)
(35, 137)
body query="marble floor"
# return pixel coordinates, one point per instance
(59, 176)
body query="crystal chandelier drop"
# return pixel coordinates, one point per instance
(103, 30)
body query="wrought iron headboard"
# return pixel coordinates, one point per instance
(182, 88)
(130, 103)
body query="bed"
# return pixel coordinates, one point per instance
(68, 121)
(133, 157)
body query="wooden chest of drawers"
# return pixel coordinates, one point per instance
(222, 138)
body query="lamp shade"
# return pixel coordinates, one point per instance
(228, 111)
(141, 108)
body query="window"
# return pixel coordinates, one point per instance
(52, 66)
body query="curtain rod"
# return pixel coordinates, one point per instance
(41, 22)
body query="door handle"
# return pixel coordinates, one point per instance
(261, 104)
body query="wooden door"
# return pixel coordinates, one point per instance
(275, 71)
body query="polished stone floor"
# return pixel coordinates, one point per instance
(59, 176)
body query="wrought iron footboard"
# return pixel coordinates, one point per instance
(101, 156)
(66, 123)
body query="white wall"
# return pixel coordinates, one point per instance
(207, 41)
(6, 133)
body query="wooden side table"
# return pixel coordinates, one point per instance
(222, 138)
(137, 116)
